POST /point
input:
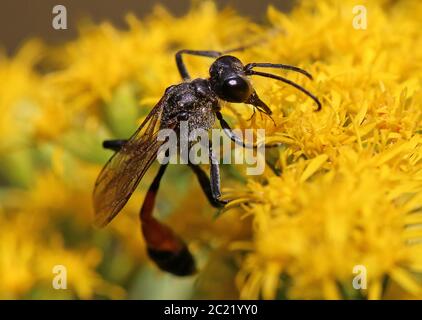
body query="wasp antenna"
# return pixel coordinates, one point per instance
(252, 65)
(289, 82)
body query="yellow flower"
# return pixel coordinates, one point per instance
(28, 257)
(17, 77)
(319, 219)
(350, 188)
(344, 189)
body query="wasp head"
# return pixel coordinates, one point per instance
(230, 82)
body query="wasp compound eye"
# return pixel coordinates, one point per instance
(236, 89)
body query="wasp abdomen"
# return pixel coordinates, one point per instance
(179, 263)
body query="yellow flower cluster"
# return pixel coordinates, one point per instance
(343, 190)
(347, 187)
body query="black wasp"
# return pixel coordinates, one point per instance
(197, 102)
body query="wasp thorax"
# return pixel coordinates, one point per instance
(229, 81)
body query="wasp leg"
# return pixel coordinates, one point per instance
(203, 53)
(215, 176)
(236, 139)
(114, 145)
(206, 183)
(164, 247)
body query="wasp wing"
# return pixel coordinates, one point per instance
(125, 169)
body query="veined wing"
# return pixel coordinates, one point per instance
(125, 169)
